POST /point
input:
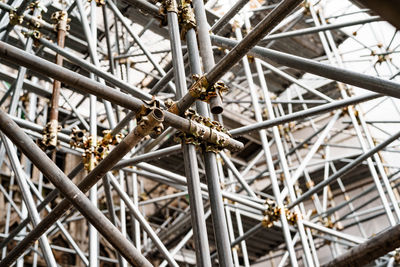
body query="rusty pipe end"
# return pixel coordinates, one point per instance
(216, 105)
(157, 114)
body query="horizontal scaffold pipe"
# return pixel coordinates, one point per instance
(75, 80)
(361, 80)
(304, 114)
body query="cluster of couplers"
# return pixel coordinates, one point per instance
(202, 91)
(142, 119)
(197, 132)
(49, 140)
(93, 154)
(186, 17)
(273, 212)
(184, 11)
(34, 23)
(61, 20)
(15, 19)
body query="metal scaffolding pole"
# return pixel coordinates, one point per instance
(189, 152)
(298, 164)
(74, 194)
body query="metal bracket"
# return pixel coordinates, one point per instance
(165, 7)
(80, 139)
(170, 6)
(15, 19)
(99, 2)
(199, 126)
(147, 107)
(61, 19)
(49, 140)
(272, 213)
(203, 91)
(186, 17)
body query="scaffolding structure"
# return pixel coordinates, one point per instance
(185, 133)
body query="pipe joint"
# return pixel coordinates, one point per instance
(15, 19)
(49, 140)
(151, 107)
(205, 134)
(186, 17)
(202, 90)
(61, 20)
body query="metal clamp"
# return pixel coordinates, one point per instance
(203, 91)
(99, 2)
(49, 140)
(291, 216)
(80, 139)
(186, 17)
(61, 20)
(272, 213)
(148, 107)
(170, 6)
(15, 19)
(162, 16)
(200, 126)
(396, 256)
(165, 7)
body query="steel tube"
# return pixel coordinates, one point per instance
(50, 197)
(28, 199)
(303, 114)
(375, 84)
(284, 164)
(55, 97)
(242, 47)
(267, 154)
(205, 50)
(318, 29)
(189, 152)
(238, 176)
(212, 177)
(148, 156)
(145, 7)
(366, 252)
(136, 213)
(136, 92)
(224, 20)
(82, 83)
(344, 170)
(94, 215)
(138, 41)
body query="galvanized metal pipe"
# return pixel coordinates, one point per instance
(189, 151)
(94, 216)
(10, 53)
(368, 82)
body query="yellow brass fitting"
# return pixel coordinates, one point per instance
(15, 19)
